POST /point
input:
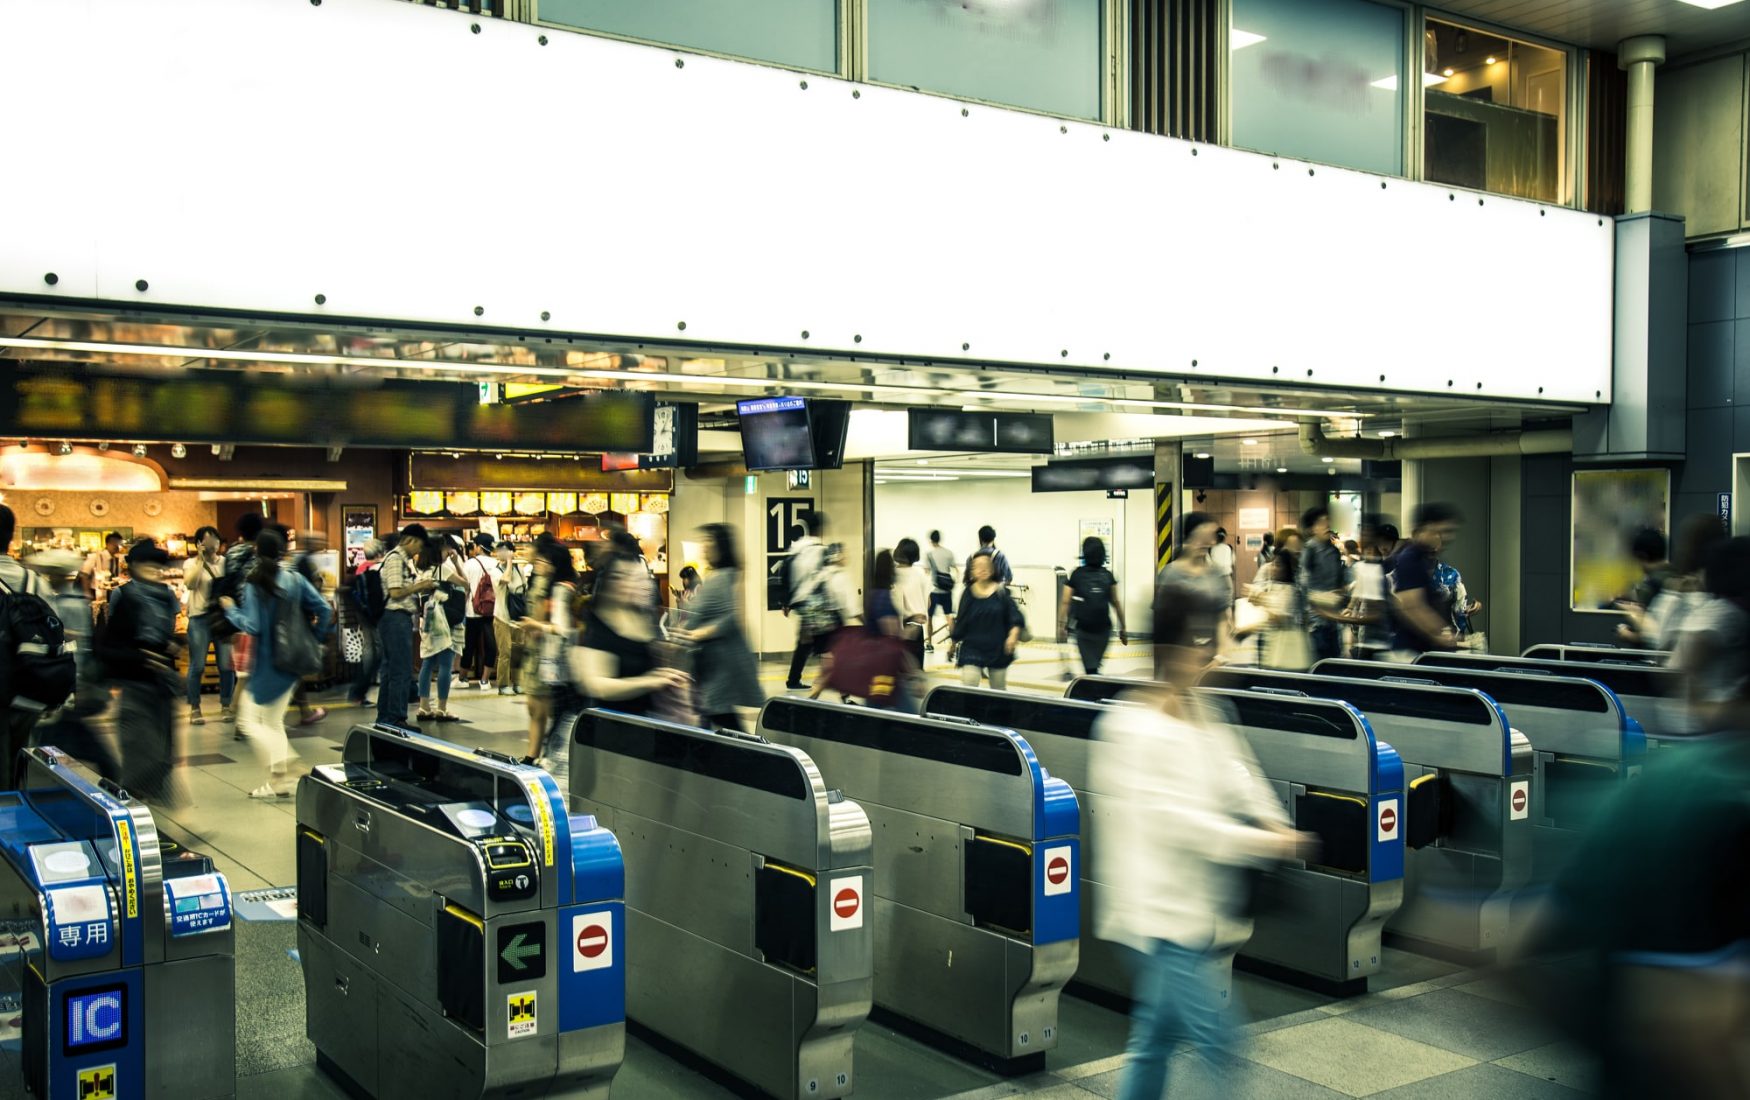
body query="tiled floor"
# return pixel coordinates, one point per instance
(1428, 1029)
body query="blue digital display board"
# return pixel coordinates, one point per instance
(97, 1019)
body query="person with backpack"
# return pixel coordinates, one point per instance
(480, 644)
(1089, 601)
(999, 561)
(310, 543)
(808, 593)
(70, 728)
(200, 575)
(401, 588)
(941, 563)
(31, 681)
(138, 650)
(510, 587)
(359, 613)
(264, 615)
(987, 627)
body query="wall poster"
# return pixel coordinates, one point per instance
(1609, 507)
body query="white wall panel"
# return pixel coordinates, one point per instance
(251, 155)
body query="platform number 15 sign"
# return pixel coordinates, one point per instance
(783, 515)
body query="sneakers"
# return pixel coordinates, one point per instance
(269, 792)
(313, 717)
(228, 715)
(195, 718)
(504, 691)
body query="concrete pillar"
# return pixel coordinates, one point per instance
(1640, 56)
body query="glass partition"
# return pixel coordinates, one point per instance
(797, 34)
(1495, 116)
(1042, 54)
(1320, 80)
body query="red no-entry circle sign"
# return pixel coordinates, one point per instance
(1388, 820)
(1519, 801)
(1057, 870)
(846, 902)
(592, 941)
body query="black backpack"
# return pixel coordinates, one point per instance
(229, 586)
(369, 594)
(779, 582)
(41, 671)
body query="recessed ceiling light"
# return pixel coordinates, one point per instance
(1327, 460)
(1446, 72)
(1488, 60)
(1249, 442)
(1201, 454)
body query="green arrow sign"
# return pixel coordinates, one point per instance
(521, 952)
(516, 951)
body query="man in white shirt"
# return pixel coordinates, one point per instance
(510, 584)
(1221, 560)
(943, 568)
(479, 646)
(807, 573)
(911, 597)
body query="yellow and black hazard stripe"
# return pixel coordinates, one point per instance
(1163, 525)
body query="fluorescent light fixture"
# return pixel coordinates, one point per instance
(1327, 460)
(1281, 469)
(1137, 403)
(1201, 454)
(1239, 40)
(1710, 5)
(1249, 442)
(1387, 434)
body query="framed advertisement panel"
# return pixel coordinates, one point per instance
(1609, 506)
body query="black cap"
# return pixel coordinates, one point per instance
(147, 551)
(483, 541)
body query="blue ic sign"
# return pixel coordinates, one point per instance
(97, 1019)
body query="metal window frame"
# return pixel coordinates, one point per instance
(1574, 105)
(532, 15)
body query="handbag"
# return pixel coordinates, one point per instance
(296, 650)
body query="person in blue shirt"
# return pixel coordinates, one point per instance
(262, 712)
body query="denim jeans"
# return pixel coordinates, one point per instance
(200, 639)
(1327, 639)
(438, 666)
(1175, 1002)
(395, 638)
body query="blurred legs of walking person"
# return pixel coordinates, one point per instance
(200, 641)
(999, 677)
(510, 656)
(1091, 647)
(263, 725)
(1175, 1002)
(144, 724)
(395, 635)
(370, 663)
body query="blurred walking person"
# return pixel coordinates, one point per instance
(441, 636)
(137, 647)
(1186, 795)
(942, 568)
(1090, 599)
(547, 634)
(510, 587)
(354, 620)
(727, 673)
(310, 543)
(1421, 605)
(1324, 578)
(480, 643)
(1284, 641)
(200, 575)
(911, 598)
(809, 596)
(262, 715)
(72, 729)
(1210, 593)
(986, 627)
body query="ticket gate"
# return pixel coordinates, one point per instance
(1345, 786)
(1651, 694)
(1062, 734)
(1582, 740)
(460, 933)
(120, 960)
(747, 897)
(1467, 802)
(1100, 689)
(976, 900)
(1597, 654)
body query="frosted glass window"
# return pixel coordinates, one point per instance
(798, 34)
(1320, 80)
(1042, 54)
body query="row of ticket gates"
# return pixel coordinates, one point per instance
(466, 929)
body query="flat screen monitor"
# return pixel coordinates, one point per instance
(831, 423)
(776, 433)
(1105, 473)
(956, 430)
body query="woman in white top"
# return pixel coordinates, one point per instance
(1185, 794)
(439, 641)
